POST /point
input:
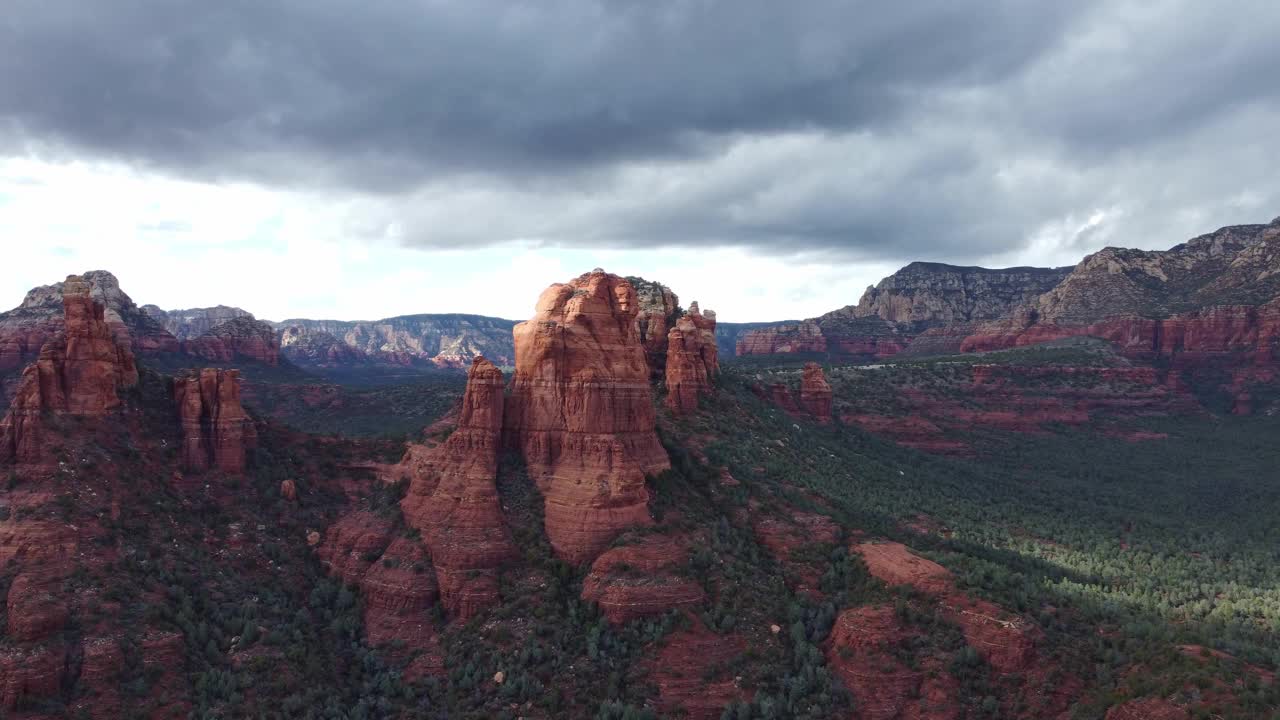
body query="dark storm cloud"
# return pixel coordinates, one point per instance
(913, 129)
(412, 89)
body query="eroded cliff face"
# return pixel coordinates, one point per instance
(937, 293)
(242, 338)
(837, 334)
(692, 359)
(25, 329)
(656, 317)
(642, 579)
(894, 312)
(1212, 302)
(581, 412)
(216, 431)
(193, 322)
(78, 373)
(453, 498)
(443, 340)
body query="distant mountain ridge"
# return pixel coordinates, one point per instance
(443, 340)
(934, 307)
(893, 312)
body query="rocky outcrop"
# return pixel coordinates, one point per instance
(815, 392)
(641, 580)
(1006, 641)
(902, 306)
(659, 308)
(78, 373)
(394, 576)
(786, 536)
(728, 334)
(865, 651)
(837, 335)
(453, 498)
(936, 293)
(216, 431)
(441, 340)
(814, 397)
(194, 322)
(242, 338)
(1214, 300)
(689, 670)
(692, 359)
(1252, 330)
(319, 349)
(25, 329)
(581, 412)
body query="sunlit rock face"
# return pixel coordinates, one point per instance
(581, 412)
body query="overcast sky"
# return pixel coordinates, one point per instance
(324, 158)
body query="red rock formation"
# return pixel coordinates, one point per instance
(395, 580)
(863, 652)
(1252, 330)
(25, 329)
(27, 673)
(679, 671)
(289, 490)
(643, 579)
(581, 412)
(1013, 398)
(804, 337)
(783, 535)
(837, 333)
(240, 339)
(78, 373)
(813, 399)
(216, 431)
(692, 359)
(453, 497)
(815, 393)
(1007, 641)
(1148, 709)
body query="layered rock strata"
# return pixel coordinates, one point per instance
(453, 498)
(78, 373)
(658, 313)
(641, 580)
(581, 412)
(216, 430)
(692, 359)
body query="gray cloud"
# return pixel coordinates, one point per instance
(928, 129)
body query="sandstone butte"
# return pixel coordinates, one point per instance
(216, 431)
(453, 498)
(815, 392)
(581, 412)
(78, 373)
(692, 359)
